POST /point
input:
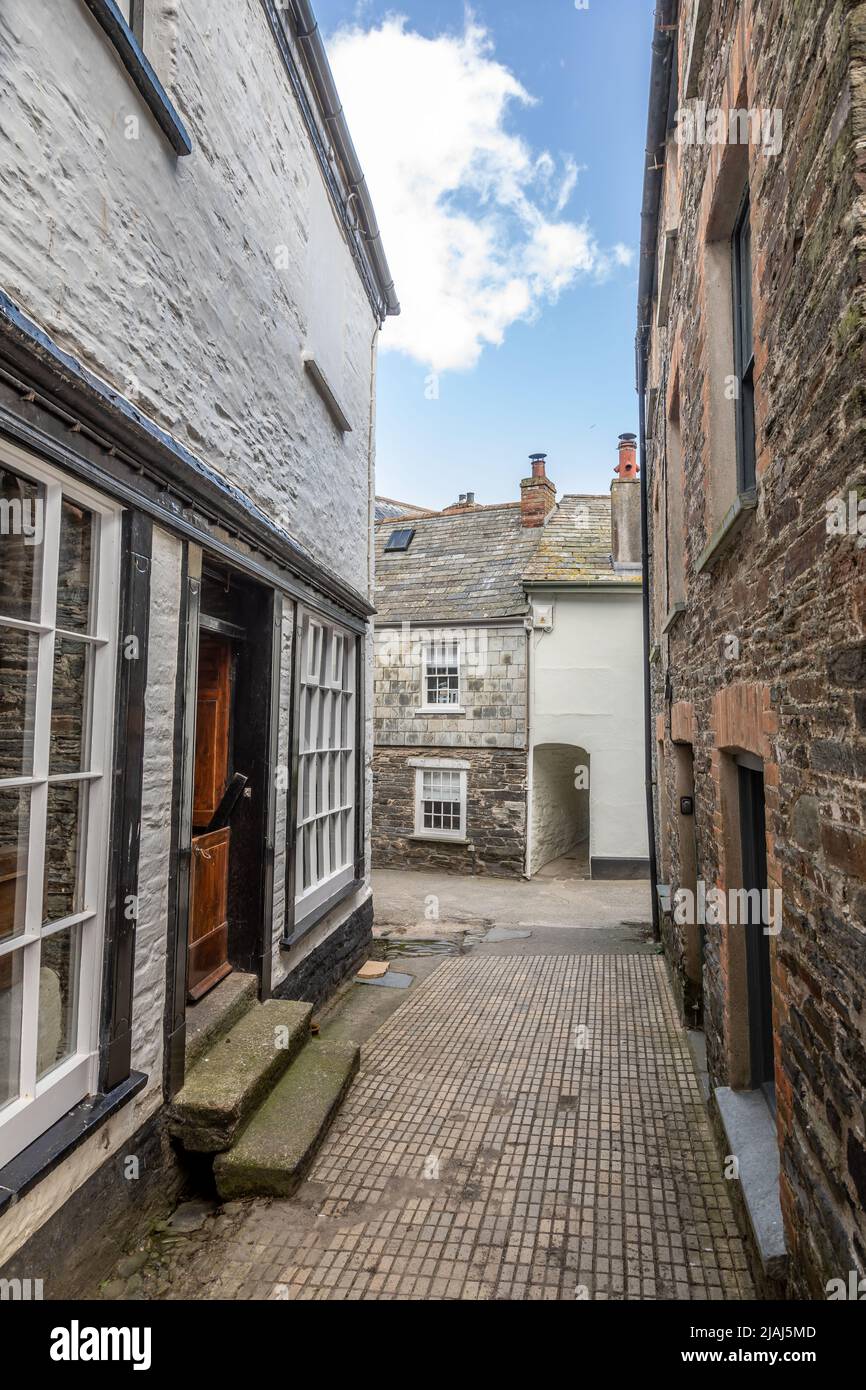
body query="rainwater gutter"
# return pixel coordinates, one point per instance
(662, 68)
(316, 59)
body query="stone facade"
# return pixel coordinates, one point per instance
(488, 728)
(495, 813)
(492, 688)
(758, 609)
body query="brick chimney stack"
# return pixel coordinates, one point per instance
(537, 494)
(625, 540)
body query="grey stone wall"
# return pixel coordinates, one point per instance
(492, 690)
(495, 814)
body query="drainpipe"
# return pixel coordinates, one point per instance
(660, 96)
(313, 49)
(647, 681)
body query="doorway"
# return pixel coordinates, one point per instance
(230, 780)
(753, 849)
(211, 832)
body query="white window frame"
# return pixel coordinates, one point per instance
(423, 765)
(42, 1102)
(428, 661)
(327, 761)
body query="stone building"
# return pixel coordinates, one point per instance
(191, 289)
(507, 658)
(752, 347)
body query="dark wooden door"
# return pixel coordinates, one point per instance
(209, 873)
(208, 916)
(212, 727)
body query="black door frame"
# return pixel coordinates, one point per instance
(753, 848)
(184, 769)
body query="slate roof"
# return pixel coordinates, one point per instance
(460, 565)
(386, 507)
(574, 546)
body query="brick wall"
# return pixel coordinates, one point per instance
(790, 688)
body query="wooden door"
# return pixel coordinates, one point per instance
(208, 916)
(213, 716)
(209, 872)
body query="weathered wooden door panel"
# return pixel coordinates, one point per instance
(208, 917)
(213, 713)
(209, 875)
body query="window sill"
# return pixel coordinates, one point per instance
(315, 915)
(676, 610)
(41, 1157)
(322, 385)
(440, 709)
(750, 1133)
(439, 839)
(718, 543)
(108, 16)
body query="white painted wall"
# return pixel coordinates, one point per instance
(586, 689)
(192, 285)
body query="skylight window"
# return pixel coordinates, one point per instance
(400, 540)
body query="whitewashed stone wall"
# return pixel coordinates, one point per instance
(192, 285)
(492, 689)
(154, 860)
(49, 1195)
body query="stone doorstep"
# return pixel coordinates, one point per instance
(217, 1012)
(278, 1145)
(236, 1073)
(750, 1134)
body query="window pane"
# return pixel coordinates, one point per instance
(70, 705)
(11, 996)
(22, 513)
(77, 545)
(64, 850)
(14, 835)
(18, 654)
(58, 998)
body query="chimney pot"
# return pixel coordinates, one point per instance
(627, 467)
(462, 497)
(470, 499)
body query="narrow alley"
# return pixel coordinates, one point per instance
(527, 1124)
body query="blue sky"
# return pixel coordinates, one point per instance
(540, 232)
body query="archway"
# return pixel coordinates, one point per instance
(559, 843)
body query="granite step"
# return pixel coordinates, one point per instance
(275, 1150)
(217, 1012)
(235, 1074)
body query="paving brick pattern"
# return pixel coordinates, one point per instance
(524, 1127)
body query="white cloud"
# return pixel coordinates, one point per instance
(471, 218)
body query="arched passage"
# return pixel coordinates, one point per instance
(560, 808)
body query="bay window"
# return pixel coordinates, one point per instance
(59, 564)
(327, 743)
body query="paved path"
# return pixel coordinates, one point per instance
(522, 1127)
